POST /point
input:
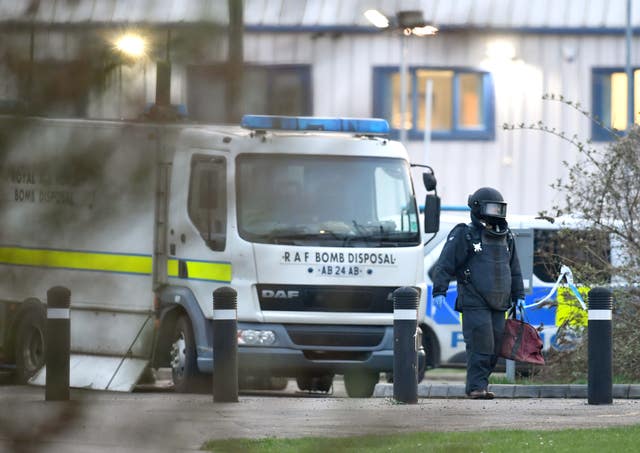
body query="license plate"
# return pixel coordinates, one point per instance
(336, 270)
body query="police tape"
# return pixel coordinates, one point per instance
(566, 274)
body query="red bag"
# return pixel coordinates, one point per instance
(521, 341)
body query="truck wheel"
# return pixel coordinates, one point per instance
(184, 367)
(361, 384)
(30, 347)
(262, 382)
(431, 348)
(312, 383)
(278, 383)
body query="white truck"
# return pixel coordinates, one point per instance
(312, 221)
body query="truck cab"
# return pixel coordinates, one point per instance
(314, 223)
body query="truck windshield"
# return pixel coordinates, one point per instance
(328, 201)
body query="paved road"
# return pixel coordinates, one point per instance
(120, 422)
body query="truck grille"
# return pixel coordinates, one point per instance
(354, 356)
(339, 299)
(342, 336)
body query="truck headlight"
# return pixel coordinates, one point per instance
(256, 337)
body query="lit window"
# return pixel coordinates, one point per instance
(462, 104)
(441, 100)
(610, 100)
(618, 103)
(470, 102)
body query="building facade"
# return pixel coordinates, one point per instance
(491, 64)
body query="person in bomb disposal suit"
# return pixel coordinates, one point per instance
(482, 258)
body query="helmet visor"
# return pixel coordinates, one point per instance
(494, 209)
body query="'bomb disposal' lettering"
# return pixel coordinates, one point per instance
(43, 196)
(370, 258)
(28, 187)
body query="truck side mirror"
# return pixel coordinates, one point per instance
(429, 181)
(432, 214)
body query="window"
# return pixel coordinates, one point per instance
(610, 100)
(588, 251)
(57, 88)
(267, 90)
(208, 199)
(326, 201)
(462, 104)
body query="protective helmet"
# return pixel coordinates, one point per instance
(487, 204)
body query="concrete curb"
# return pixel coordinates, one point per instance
(620, 391)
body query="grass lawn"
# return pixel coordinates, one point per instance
(570, 440)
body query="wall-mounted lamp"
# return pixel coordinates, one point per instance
(427, 30)
(131, 45)
(135, 47)
(413, 23)
(410, 22)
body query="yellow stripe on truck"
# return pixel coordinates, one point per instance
(110, 262)
(172, 268)
(202, 270)
(89, 261)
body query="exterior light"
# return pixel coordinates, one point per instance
(131, 45)
(364, 126)
(256, 337)
(427, 30)
(413, 23)
(410, 22)
(378, 19)
(410, 19)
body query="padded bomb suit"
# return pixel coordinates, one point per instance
(486, 267)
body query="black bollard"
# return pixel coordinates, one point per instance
(405, 353)
(225, 345)
(600, 384)
(58, 344)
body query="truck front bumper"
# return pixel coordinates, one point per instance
(300, 349)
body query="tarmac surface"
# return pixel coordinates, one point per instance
(164, 421)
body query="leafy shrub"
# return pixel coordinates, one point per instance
(603, 189)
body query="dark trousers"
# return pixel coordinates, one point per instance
(482, 330)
